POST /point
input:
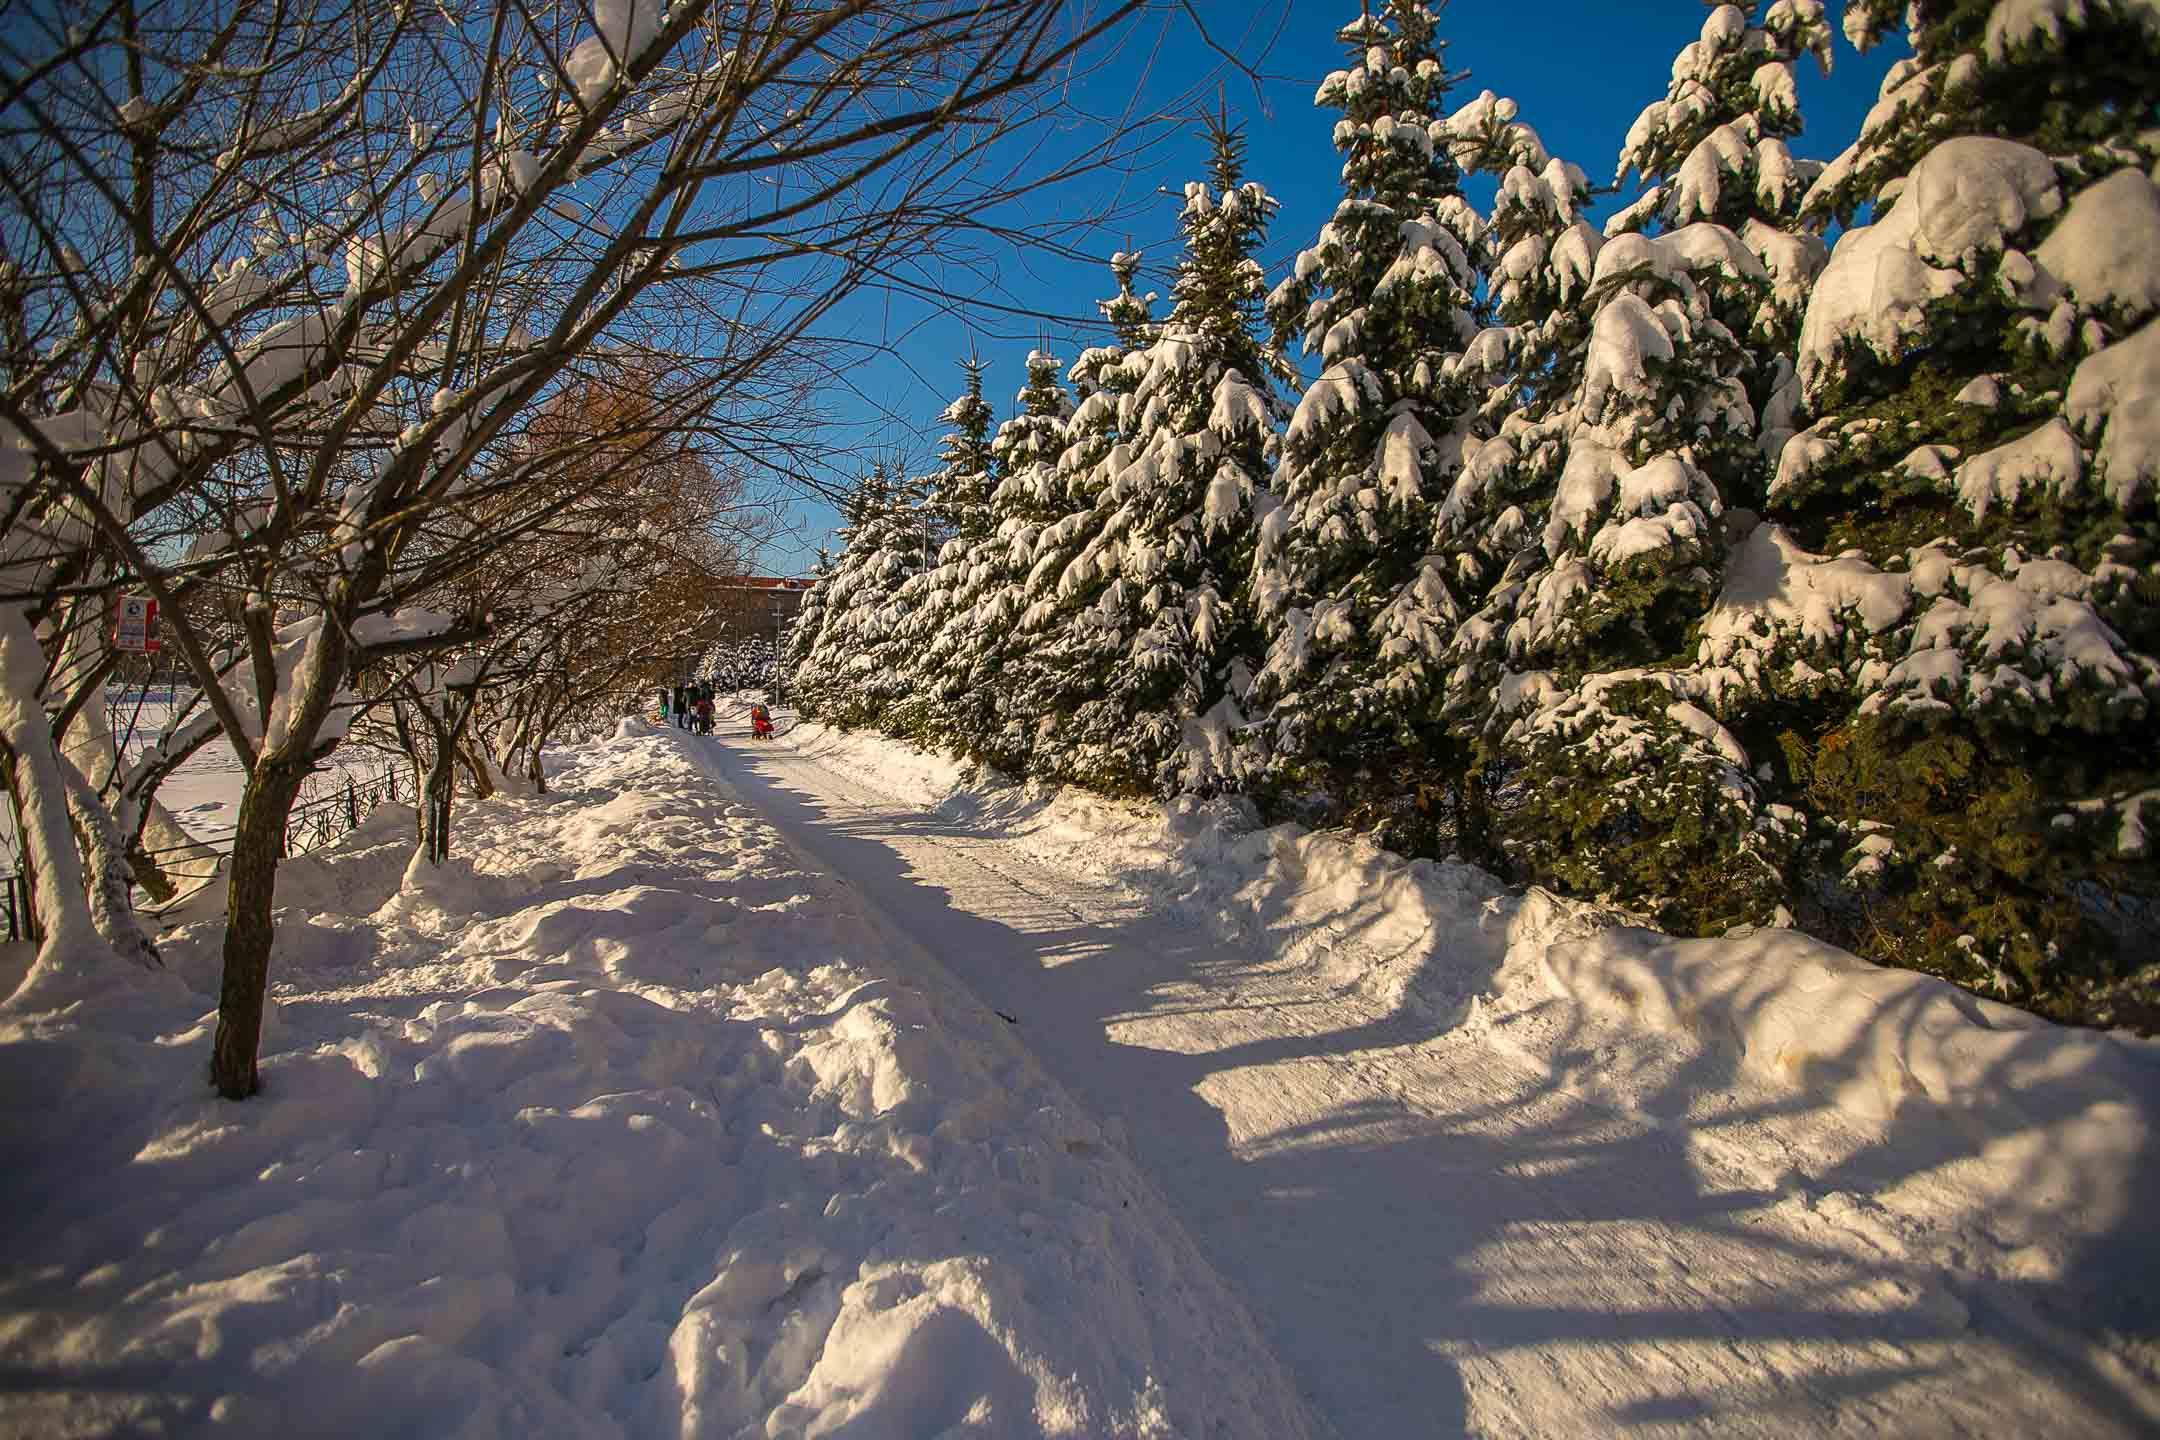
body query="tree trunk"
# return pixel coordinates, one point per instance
(474, 757)
(1473, 818)
(258, 844)
(31, 927)
(108, 879)
(59, 909)
(533, 770)
(436, 793)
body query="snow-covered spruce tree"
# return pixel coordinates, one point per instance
(1587, 533)
(1956, 607)
(884, 647)
(1151, 629)
(738, 661)
(808, 631)
(842, 674)
(989, 649)
(939, 601)
(1715, 149)
(1345, 579)
(1051, 670)
(1537, 254)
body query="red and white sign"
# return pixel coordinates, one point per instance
(135, 625)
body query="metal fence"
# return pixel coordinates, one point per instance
(327, 811)
(318, 820)
(18, 906)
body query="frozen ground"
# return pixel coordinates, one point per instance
(802, 1089)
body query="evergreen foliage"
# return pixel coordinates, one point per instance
(1355, 603)
(851, 623)
(1715, 148)
(938, 602)
(1974, 747)
(1149, 632)
(1053, 673)
(1684, 562)
(1030, 497)
(1592, 525)
(739, 662)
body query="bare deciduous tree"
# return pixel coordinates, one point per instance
(291, 281)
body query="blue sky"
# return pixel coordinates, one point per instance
(1581, 70)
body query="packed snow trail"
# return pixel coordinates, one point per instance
(1444, 1224)
(620, 1123)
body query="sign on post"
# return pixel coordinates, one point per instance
(135, 625)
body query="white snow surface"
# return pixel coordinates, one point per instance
(1964, 199)
(1500, 1164)
(824, 1088)
(661, 1133)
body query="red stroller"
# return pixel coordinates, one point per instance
(760, 723)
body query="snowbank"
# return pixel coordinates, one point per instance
(2069, 1119)
(619, 1123)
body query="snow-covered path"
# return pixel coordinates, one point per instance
(1525, 1223)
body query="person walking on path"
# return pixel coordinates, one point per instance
(704, 715)
(663, 705)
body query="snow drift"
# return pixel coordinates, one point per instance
(619, 1123)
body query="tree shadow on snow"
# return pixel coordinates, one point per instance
(1388, 1245)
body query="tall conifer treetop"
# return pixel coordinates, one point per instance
(1131, 315)
(1027, 446)
(1714, 149)
(1355, 607)
(1402, 223)
(1144, 627)
(961, 489)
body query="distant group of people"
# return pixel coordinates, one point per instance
(690, 705)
